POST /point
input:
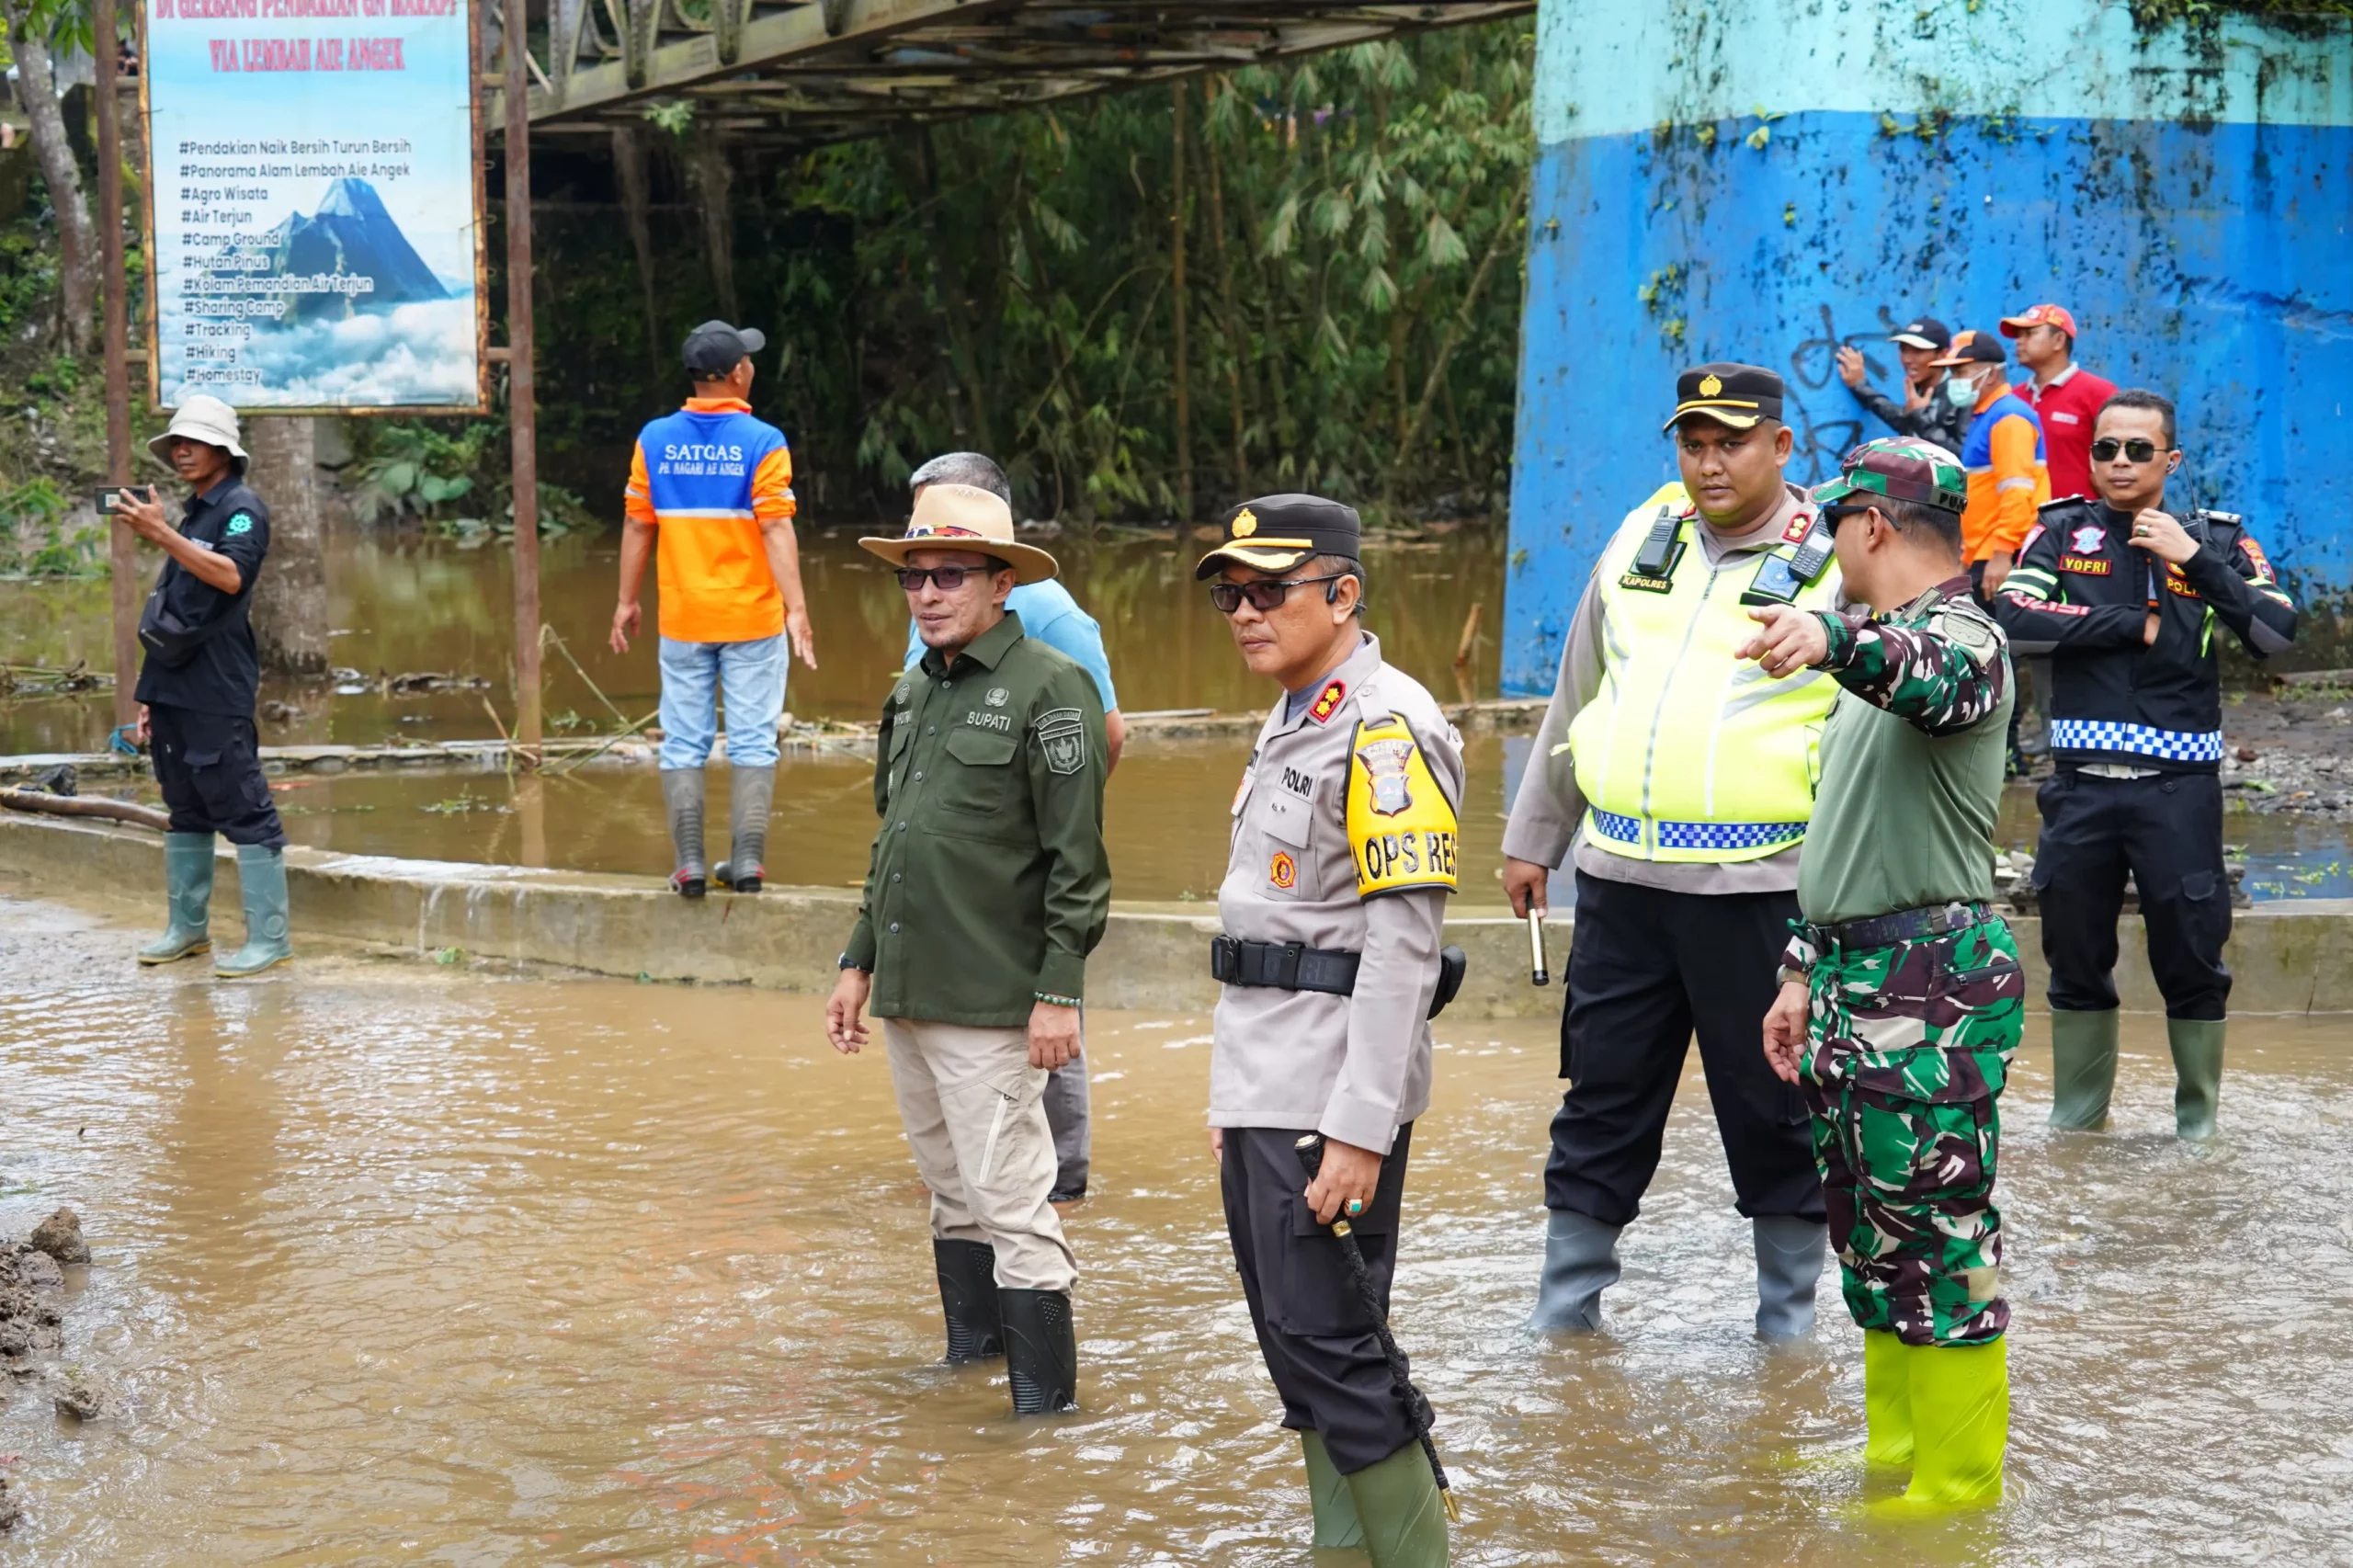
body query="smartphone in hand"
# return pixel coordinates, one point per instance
(109, 500)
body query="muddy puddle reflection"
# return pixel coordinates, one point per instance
(395, 1264)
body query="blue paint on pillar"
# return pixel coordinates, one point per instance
(1697, 198)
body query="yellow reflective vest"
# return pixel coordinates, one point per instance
(1687, 753)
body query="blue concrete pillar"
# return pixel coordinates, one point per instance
(1767, 179)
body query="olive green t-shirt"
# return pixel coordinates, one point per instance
(1912, 760)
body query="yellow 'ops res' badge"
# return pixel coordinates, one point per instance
(1400, 826)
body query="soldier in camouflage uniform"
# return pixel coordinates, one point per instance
(1901, 998)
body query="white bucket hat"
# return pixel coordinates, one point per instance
(201, 418)
(963, 516)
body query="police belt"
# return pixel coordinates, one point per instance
(1289, 966)
(1903, 925)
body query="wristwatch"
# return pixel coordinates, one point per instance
(1788, 976)
(849, 962)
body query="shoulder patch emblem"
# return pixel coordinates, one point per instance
(1327, 703)
(1385, 764)
(1061, 735)
(900, 696)
(1400, 826)
(2087, 539)
(2262, 564)
(1968, 631)
(243, 522)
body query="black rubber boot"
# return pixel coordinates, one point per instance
(682, 797)
(749, 791)
(968, 1297)
(1041, 1351)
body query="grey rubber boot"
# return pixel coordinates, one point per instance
(1788, 1265)
(261, 885)
(188, 893)
(748, 794)
(1580, 1262)
(2082, 1068)
(1327, 1491)
(682, 799)
(1041, 1351)
(2198, 1074)
(968, 1299)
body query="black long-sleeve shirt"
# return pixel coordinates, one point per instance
(1939, 419)
(2083, 594)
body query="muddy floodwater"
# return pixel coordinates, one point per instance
(401, 1264)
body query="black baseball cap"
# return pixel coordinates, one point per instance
(1737, 395)
(714, 348)
(1973, 347)
(1275, 533)
(1922, 332)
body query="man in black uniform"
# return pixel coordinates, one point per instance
(2124, 596)
(197, 686)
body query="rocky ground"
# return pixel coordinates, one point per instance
(2290, 753)
(32, 1282)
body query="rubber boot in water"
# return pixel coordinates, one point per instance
(1580, 1262)
(1960, 1425)
(968, 1297)
(2198, 1074)
(1398, 1504)
(1789, 1266)
(1327, 1490)
(682, 799)
(748, 793)
(1887, 1402)
(2082, 1068)
(1041, 1351)
(261, 884)
(188, 893)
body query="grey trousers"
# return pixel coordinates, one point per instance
(1066, 1115)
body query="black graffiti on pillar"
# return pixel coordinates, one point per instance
(1823, 439)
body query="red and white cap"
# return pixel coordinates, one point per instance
(2039, 315)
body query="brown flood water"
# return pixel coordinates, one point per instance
(397, 1263)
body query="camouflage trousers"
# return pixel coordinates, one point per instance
(1909, 1046)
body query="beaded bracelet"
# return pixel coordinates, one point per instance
(1058, 1001)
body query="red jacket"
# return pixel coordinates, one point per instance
(2066, 408)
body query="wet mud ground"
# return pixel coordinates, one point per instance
(396, 1264)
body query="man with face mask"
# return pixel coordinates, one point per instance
(2009, 476)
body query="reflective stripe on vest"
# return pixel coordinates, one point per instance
(1687, 753)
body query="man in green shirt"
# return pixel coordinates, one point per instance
(987, 889)
(1901, 998)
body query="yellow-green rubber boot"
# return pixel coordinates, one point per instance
(1960, 1425)
(1398, 1504)
(261, 879)
(1887, 1402)
(2082, 1068)
(187, 891)
(1327, 1489)
(2198, 1074)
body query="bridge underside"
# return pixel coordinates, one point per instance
(810, 71)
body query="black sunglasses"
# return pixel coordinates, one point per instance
(949, 578)
(1833, 516)
(2104, 451)
(1264, 594)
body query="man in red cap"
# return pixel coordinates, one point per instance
(2064, 395)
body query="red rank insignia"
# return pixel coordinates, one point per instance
(1327, 703)
(1800, 526)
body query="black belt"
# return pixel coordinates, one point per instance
(1291, 966)
(1885, 930)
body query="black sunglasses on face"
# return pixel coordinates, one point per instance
(2104, 451)
(949, 578)
(1264, 594)
(1833, 516)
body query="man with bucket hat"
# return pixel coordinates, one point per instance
(197, 686)
(987, 888)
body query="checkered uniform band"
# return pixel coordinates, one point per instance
(1697, 835)
(1610, 825)
(2136, 740)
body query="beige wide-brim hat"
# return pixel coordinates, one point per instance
(964, 516)
(201, 418)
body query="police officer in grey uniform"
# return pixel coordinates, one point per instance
(1332, 907)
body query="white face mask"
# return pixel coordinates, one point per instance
(1962, 393)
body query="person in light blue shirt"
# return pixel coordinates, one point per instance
(1052, 616)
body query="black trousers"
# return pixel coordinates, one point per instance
(210, 768)
(1648, 969)
(2167, 831)
(1312, 1329)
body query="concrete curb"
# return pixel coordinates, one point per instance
(2288, 957)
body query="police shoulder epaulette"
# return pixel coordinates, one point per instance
(2232, 519)
(2063, 501)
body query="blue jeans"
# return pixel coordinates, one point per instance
(695, 676)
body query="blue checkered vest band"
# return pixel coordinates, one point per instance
(2136, 740)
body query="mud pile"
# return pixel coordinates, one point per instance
(32, 1318)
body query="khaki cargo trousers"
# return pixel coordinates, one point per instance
(976, 1114)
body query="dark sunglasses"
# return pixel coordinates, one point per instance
(1833, 516)
(2104, 451)
(1264, 594)
(949, 578)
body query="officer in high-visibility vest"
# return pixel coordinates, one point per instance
(1684, 778)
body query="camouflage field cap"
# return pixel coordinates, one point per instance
(1902, 468)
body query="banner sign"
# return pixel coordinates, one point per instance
(313, 205)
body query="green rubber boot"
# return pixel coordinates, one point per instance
(1398, 1502)
(1961, 1424)
(2198, 1074)
(1887, 1402)
(187, 891)
(2082, 1068)
(1327, 1489)
(261, 879)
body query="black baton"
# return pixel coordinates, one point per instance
(1310, 1150)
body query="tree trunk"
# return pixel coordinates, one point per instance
(637, 209)
(289, 604)
(950, 299)
(1236, 342)
(1178, 97)
(715, 182)
(78, 240)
